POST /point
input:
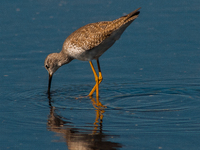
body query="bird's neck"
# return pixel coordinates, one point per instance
(63, 58)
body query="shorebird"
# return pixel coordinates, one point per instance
(87, 43)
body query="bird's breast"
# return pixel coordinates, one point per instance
(85, 54)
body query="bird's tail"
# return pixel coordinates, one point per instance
(132, 16)
(125, 20)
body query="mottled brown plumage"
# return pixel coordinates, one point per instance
(89, 42)
(91, 35)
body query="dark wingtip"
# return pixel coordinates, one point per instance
(136, 12)
(133, 15)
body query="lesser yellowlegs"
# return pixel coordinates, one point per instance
(87, 43)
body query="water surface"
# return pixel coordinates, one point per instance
(150, 90)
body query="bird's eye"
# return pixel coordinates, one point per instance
(47, 67)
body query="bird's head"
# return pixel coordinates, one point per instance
(52, 64)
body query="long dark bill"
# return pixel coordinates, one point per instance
(49, 86)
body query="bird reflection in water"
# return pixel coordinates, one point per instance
(99, 108)
(76, 138)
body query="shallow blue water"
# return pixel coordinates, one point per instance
(151, 77)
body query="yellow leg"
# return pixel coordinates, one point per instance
(97, 79)
(96, 87)
(100, 75)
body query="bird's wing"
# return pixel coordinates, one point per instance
(91, 35)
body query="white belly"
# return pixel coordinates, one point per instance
(88, 55)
